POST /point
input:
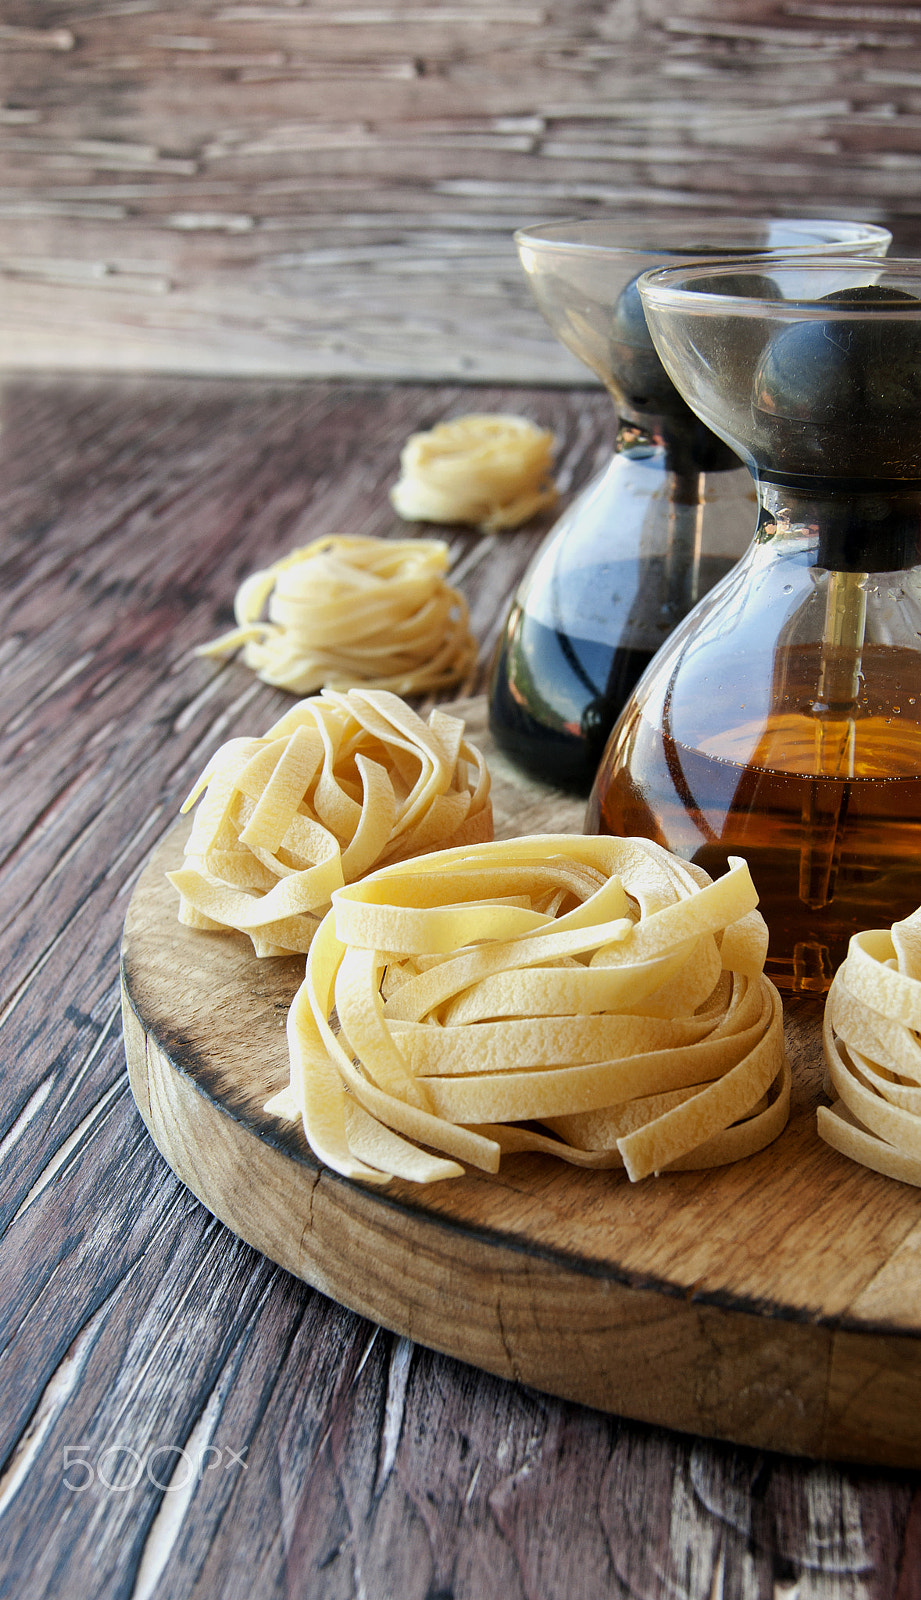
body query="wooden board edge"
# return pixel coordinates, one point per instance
(654, 1358)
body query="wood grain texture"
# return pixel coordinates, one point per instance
(129, 1317)
(324, 189)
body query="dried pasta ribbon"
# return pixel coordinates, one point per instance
(341, 784)
(592, 998)
(873, 1052)
(489, 470)
(344, 611)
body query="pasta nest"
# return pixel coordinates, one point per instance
(592, 998)
(872, 1050)
(487, 469)
(342, 783)
(344, 611)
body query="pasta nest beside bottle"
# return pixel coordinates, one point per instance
(486, 469)
(873, 1052)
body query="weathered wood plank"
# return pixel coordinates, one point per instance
(326, 190)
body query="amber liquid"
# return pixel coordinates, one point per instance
(830, 853)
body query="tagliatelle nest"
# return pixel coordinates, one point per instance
(341, 784)
(873, 1052)
(489, 470)
(344, 611)
(588, 997)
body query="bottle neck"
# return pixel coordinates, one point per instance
(864, 525)
(687, 446)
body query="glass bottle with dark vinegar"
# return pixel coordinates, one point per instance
(782, 721)
(675, 508)
(593, 610)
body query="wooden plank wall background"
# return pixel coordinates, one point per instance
(329, 187)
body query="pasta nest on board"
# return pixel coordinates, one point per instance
(588, 997)
(872, 1041)
(340, 784)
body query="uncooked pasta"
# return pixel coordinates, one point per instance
(345, 611)
(873, 1052)
(586, 997)
(488, 470)
(341, 784)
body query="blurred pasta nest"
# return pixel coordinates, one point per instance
(488, 470)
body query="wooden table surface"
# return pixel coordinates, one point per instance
(178, 1417)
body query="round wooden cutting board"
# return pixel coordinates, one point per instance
(775, 1303)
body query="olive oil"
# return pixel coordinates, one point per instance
(781, 720)
(831, 852)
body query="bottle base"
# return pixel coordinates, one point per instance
(809, 971)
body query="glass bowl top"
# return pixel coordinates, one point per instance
(583, 276)
(809, 366)
(691, 239)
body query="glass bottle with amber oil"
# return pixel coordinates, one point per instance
(782, 721)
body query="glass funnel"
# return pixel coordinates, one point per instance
(782, 720)
(668, 516)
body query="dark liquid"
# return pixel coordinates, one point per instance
(554, 696)
(829, 856)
